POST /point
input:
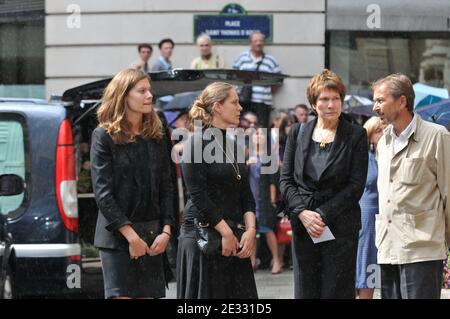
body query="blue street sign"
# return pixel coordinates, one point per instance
(232, 27)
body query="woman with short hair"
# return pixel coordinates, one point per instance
(322, 179)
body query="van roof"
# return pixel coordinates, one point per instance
(179, 81)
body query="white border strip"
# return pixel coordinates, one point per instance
(46, 250)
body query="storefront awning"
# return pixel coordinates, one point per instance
(405, 15)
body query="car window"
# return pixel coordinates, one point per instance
(12, 160)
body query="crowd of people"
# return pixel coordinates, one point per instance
(357, 196)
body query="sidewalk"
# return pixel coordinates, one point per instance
(280, 286)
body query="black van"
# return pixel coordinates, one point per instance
(47, 143)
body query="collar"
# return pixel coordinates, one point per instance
(410, 130)
(255, 59)
(166, 62)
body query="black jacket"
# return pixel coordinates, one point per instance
(336, 195)
(116, 180)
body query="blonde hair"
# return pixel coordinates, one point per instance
(203, 107)
(325, 80)
(372, 125)
(111, 114)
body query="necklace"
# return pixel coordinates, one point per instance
(323, 140)
(233, 162)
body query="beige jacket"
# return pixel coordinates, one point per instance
(413, 223)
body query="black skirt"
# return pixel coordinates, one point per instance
(136, 278)
(212, 277)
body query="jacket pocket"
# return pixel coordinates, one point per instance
(411, 170)
(420, 228)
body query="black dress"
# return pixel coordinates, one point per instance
(214, 194)
(130, 185)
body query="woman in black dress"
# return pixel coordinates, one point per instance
(131, 181)
(219, 195)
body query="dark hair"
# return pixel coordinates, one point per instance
(302, 106)
(164, 41)
(287, 121)
(282, 136)
(145, 45)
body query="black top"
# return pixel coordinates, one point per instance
(131, 183)
(317, 160)
(214, 192)
(336, 193)
(139, 151)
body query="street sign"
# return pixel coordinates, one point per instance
(233, 24)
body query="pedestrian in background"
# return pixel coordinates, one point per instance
(266, 214)
(257, 99)
(301, 113)
(285, 126)
(367, 252)
(145, 52)
(164, 63)
(207, 59)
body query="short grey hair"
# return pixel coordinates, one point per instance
(398, 84)
(254, 33)
(203, 35)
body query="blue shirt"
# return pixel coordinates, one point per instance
(369, 199)
(247, 62)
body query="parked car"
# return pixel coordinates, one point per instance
(47, 143)
(10, 185)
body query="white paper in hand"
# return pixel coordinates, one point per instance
(326, 235)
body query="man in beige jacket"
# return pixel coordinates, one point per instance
(412, 228)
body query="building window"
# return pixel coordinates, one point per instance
(22, 48)
(363, 57)
(12, 160)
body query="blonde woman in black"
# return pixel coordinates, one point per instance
(219, 196)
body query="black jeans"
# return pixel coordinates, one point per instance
(421, 280)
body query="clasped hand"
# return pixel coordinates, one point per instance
(313, 222)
